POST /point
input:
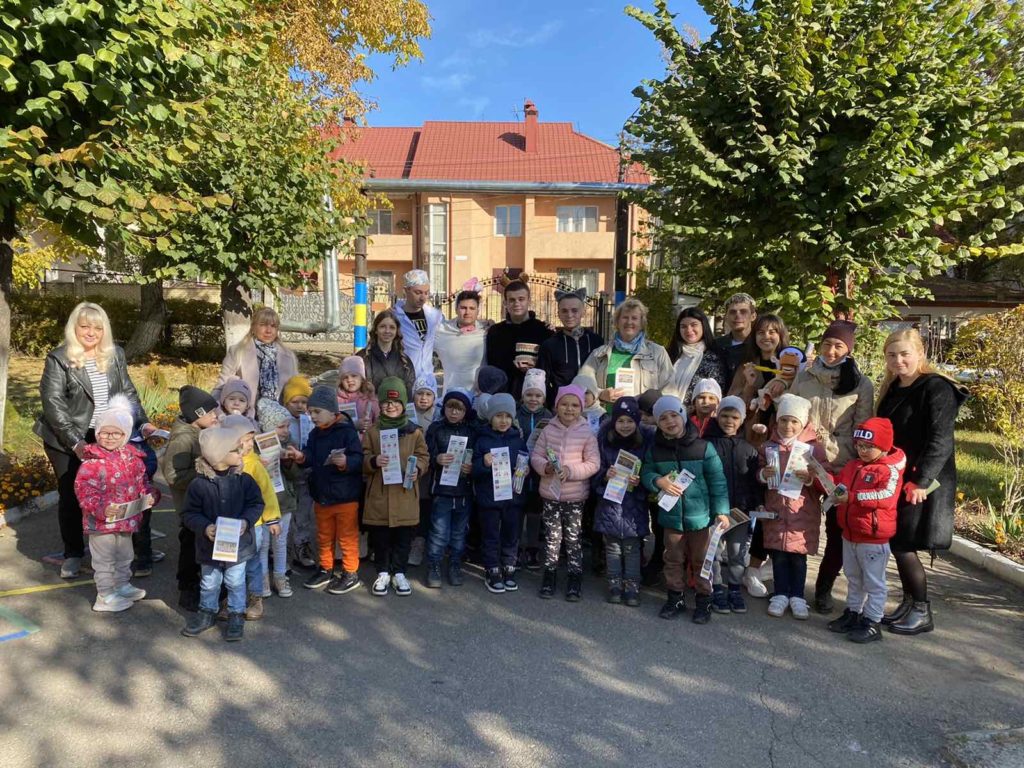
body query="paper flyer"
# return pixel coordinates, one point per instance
(666, 500)
(457, 448)
(522, 470)
(350, 410)
(625, 380)
(821, 475)
(128, 509)
(626, 466)
(389, 447)
(268, 444)
(501, 474)
(736, 517)
(408, 479)
(790, 486)
(225, 542)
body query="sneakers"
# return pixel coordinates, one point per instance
(199, 623)
(455, 574)
(282, 585)
(253, 608)
(142, 571)
(130, 592)
(674, 606)
(511, 585)
(800, 609)
(112, 603)
(321, 578)
(752, 581)
(417, 550)
(71, 568)
(867, 631)
(631, 593)
(548, 583)
(381, 584)
(573, 587)
(777, 605)
(401, 584)
(433, 580)
(848, 621)
(494, 581)
(159, 556)
(735, 599)
(702, 611)
(615, 592)
(266, 586)
(720, 599)
(344, 583)
(235, 628)
(305, 558)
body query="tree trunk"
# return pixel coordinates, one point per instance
(236, 301)
(152, 321)
(8, 228)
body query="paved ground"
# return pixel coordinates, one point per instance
(463, 678)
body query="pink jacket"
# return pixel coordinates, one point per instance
(576, 448)
(367, 409)
(111, 477)
(798, 525)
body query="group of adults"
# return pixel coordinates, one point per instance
(413, 340)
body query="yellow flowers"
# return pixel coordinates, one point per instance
(24, 479)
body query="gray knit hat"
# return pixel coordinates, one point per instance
(323, 398)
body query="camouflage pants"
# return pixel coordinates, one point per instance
(562, 521)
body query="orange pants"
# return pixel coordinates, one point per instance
(338, 523)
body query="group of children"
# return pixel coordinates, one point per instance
(515, 476)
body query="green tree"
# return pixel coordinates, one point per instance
(809, 152)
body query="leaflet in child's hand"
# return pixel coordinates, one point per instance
(683, 478)
(792, 486)
(227, 538)
(389, 447)
(269, 446)
(821, 475)
(626, 466)
(128, 509)
(501, 474)
(457, 450)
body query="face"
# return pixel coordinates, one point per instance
(387, 329)
(89, 334)
(207, 420)
(424, 400)
(590, 398)
(691, 329)
(246, 443)
(351, 382)
(110, 438)
(671, 424)
(533, 400)
(705, 404)
(234, 458)
(454, 411)
(501, 422)
(517, 304)
(740, 317)
(569, 410)
(266, 332)
(625, 426)
(282, 432)
(630, 324)
(768, 339)
(297, 405)
(866, 451)
(902, 358)
(789, 427)
(392, 409)
(570, 313)
(831, 351)
(321, 416)
(416, 297)
(468, 311)
(729, 421)
(235, 403)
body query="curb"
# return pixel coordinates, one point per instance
(1001, 567)
(978, 749)
(30, 507)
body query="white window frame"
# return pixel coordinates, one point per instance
(580, 278)
(505, 223)
(377, 219)
(574, 218)
(383, 277)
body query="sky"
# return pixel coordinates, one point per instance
(577, 60)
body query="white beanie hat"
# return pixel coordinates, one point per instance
(119, 414)
(668, 403)
(587, 383)
(535, 378)
(733, 403)
(707, 386)
(795, 406)
(216, 443)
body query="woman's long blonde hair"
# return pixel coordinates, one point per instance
(923, 366)
(262, 316)
(96, 315)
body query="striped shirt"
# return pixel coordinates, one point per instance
(100, 390)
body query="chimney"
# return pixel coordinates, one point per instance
(532, 131)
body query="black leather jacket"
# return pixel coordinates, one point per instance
(67, 398)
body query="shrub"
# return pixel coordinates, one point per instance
(24, 479)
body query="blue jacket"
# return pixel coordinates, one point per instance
(486, 440)
(631, 517)
(528, 424)
(213, 494)
(438, 434)
(740, 464)
(327, 484)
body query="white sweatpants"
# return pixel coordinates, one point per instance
(864, 566)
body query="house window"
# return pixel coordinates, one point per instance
(580, 278)
(435, 245)
(508, 221)
(577, 218)
(381, 286)
(380, 222)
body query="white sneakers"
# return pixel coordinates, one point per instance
(799, 608)
(112, 603)
(71, 568)
(380, 585)
(401, 584)
(130, 592)
(777, 605)
(398, 582)
(417, 550)
(755, 587)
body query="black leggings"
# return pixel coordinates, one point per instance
(69, 513)
(913, 578)
(832, 559)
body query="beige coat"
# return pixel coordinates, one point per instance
(242, 362)
(834, 416)
(393, 505)
(652, 364)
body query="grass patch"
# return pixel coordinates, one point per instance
(979, 466)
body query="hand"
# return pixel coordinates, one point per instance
(416, 474)
(669, 487)
(563, 474)
(749, 375)
(274, 528)
(634, 481)
(444, 459)
(841, 493)
(382, 461)
(147, 429)
(523, 365)
(488, 459)
(79, 450)
(111, 510)
(466, 468)
(775, 389)
(148, 501)
(245, 527)
(340, 461)
(610, 475)
(723, 521)
(914, 494)
(294, 454)
(211, 532)
(803, 475)
(609, 395)
(549, 468)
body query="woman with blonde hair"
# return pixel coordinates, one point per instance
(79, 379)
(921, 403)
(260, 360)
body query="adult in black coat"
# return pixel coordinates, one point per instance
(563, 354)
(922, 407)
(513, 345)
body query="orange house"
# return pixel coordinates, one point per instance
(469, 199)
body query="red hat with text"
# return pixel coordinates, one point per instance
(877, 431)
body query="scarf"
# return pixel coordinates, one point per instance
(267, 356)
(629, 347)
(689, 361)
(576, 333)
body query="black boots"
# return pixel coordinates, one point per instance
(867, 631)
(199, 623)
(236, 625)
(702, 611)
(849, 621)
(188, 599)
(573, 587)
(823, 602)
(917, 620)
(674, 606)
(548, 584)
(900, 611)
(615, 592)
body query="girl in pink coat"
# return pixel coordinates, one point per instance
(566, 457)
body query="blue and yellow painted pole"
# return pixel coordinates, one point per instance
(360, 296)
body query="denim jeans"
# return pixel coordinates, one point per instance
(279, 544)
(500, 526)
(449, 521)
(232, 575)
(254, 565)
(789, 570)
(622, 558)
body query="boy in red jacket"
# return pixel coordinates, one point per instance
(867, 493)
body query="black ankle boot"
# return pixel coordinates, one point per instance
(849, 621)
(550, 581)
(900, 611)
(674, 606)
(823, 602)
(235, 628)
(199, 623)
(917, 620)
(574, 586)
(702, 612)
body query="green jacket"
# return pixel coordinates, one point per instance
(708, 494)
(178, 462)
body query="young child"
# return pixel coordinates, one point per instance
(739, 462)
(392, 511)
(532, 416)
(868, 491)
(221, 489)
(489, 381)
(623, 525)
(452, 504)
(424, 398)
(675, 448)
(793, 534)
(707, 394)
(268, 524)
(334, 454)
(566, 457)
(198, 411)
(593, 411)
(500, 520)
(295, 397)
(235, 398)
(354, 388)
(113, 473)
(653, 564)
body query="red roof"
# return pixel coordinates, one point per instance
(481, 151)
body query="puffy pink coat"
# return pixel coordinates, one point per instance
(111, 477)
(798, 525)
(576, 448)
